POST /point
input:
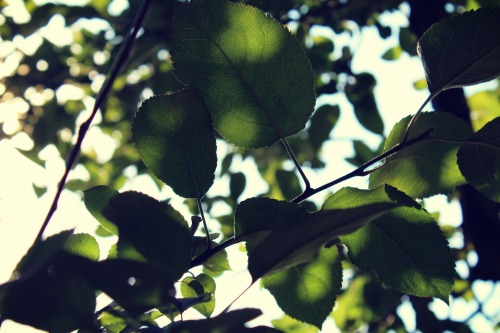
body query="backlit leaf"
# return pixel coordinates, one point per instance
(253, 75)
(462, 50)
(196, 286)
(479, 160)
(428, 167)
(175, 139)
(151, 231)
(308, 291)
(96, 199)
(484, 107)
(83, 245)
(407, 251)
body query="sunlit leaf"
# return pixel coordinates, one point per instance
(199, 285)
(428, 167)
(462, 50)
(291, 325)
(479, 160)
(96, 199)
(308, 291)
(83, 245)
(253, 75)
(407, 251)
(175, 139)
(217, 263)
(484, 107)
(393, 53)
(151, 231)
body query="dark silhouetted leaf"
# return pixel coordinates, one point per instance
(175, 139)
(289, 184)
(96, 199)
(479, 160)
(151, 231)
(323, 121)
(462, 50)
(237, 185)
(430, 166)
(253, 75)
(308, 291)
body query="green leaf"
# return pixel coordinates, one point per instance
(151, 231)
(175, 139)
(52, 297)
(323, 121)
(479, 160)
(407, 251)
(428, 167)
(394, 53)
(408, 41)
(361, 95)
(96, 199)
(237, 184)
(83, 245)
(290, 325)
(255, 218)
(364, 302)
(308, 291)
(484, 106)
(463, 50)
(217, 263)
(298, 238)
(253, 75)
(289, 184)
(199, 285)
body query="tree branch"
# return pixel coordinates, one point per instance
(116, 68)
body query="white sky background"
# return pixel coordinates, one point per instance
(22, 213)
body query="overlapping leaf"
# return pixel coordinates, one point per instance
(479, 160)
(96, 199)
(175, 139)
(199, 285)
(253, 75)
(308, 291)
(462, 50)
(428, 167)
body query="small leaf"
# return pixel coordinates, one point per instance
(151, 231)
(175, 139)
(428, 167)
(289, 184)
(479, 160)
(83, 245)
(308, 291)
(361, 95)
(323, 121)
(217, 263)
(462, 50)
(288, 324)
(194, 287)
(237, 185)
(255, 218)
(253, 75)
(393, 53)
(96, 199)
(298, 238)
(407, 251)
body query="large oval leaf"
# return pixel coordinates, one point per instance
(462, 50)
(253, 75)
(479, 160)
(308, 291)
(407, 251)
(428, 167)
(175, 139)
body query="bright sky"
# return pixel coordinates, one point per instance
(21, 212)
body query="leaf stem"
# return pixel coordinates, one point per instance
(199, 260)
(116, 68)
(363, 170)
(297, 164)
(416, 116)
(200, 208)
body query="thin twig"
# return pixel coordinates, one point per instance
(199, 260)
(116, 68)
(297, 165)
(205, 226)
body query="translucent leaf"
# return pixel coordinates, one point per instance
(407, 251)
(175, 139)
(484, 107)
(479, 160)
(253, 75)
(308, 291)
(393, 53)
(289, 324)
(83, 245)
(151, 231)
(428, 167)
(196, 286)
(96, 199)
(462, 50)
(298, 239)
